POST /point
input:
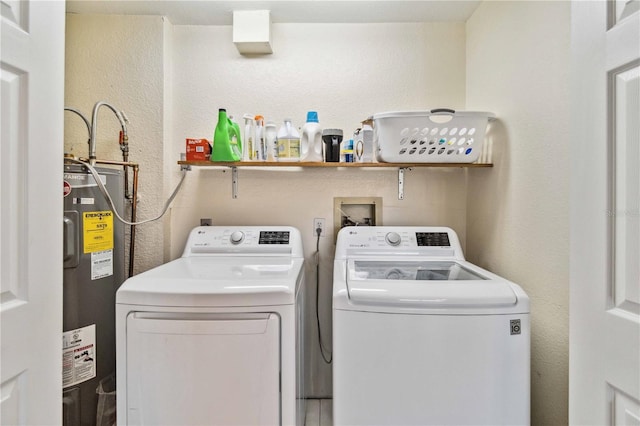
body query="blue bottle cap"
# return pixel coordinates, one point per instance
(312, 117)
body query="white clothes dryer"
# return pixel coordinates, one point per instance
(214, 337)
(423, 337)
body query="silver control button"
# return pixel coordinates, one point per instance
(237, 237)
(393, 238)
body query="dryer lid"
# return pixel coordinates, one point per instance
(425, 284)
(215, 282)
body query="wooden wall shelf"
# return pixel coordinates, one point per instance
(186, 165)
(322, 164)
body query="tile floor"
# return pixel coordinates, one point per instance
(319, 412)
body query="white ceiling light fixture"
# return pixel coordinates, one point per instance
(252, 31)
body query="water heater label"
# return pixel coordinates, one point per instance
(101, 264)
(87, 200)
(78, 355)
(97, 231)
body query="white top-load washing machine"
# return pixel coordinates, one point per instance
(423, 337)
(214, 337)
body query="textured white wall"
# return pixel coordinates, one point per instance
(518, 215)
(172, 79)
(346, 72)
(119, 59)
(167, 145)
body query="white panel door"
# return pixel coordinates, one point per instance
(32, 76)
(604, 377)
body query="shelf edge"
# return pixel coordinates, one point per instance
(249, 164)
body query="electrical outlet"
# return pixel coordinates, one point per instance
(319, 223)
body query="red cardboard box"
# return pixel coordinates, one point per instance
(198, 149)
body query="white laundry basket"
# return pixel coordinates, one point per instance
(436, 136)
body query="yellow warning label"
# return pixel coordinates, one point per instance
(98, 231)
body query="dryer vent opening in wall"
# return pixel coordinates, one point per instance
(356, 211)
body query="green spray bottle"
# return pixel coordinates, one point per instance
(227, 145)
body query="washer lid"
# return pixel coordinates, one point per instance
(425, 284)
(215, 282)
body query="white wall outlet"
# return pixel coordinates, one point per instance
(319, 223)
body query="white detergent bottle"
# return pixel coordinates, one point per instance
(288, 142)
(311, 139)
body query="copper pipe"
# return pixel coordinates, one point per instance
(124, 147)
(134, 207)
(113, 163)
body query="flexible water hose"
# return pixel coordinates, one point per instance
(107, 196)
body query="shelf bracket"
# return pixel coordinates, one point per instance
(234, 182)
(401, 183)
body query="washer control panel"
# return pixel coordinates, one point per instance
(275, 240)
(400, 240)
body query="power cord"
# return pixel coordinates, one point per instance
(317, 256)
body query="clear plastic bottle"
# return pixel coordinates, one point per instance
(249, 137)
(261, 147)
(236, 141)
(271, 140)
(288, 142)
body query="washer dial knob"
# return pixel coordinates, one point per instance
(237, 237)
(393, 238)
